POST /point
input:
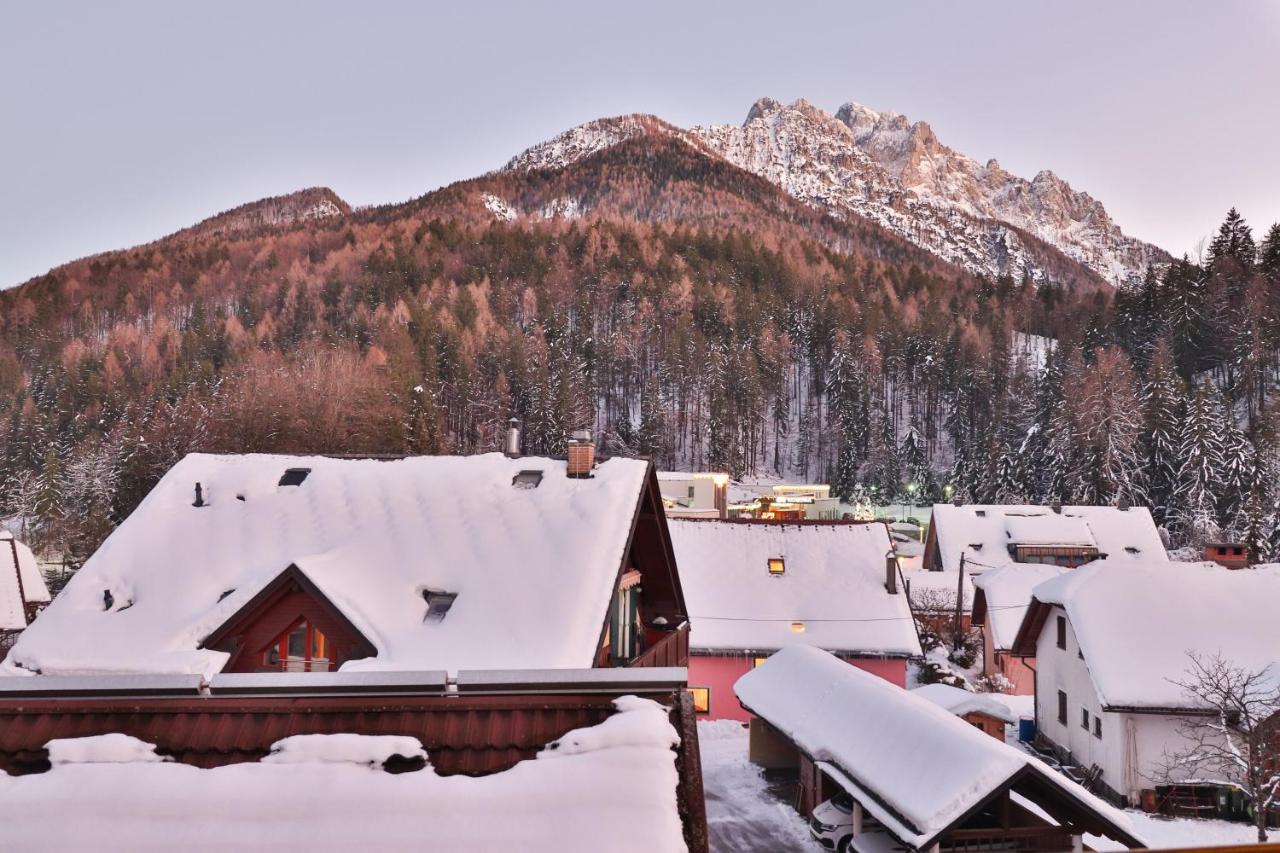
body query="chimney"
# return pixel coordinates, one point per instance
(512, 449)
(199, 501)
(582, 454)
(891, 573)
(1123, 506)
(1057, 507)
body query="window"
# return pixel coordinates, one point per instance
(691, 493)
(1084, 719)
(777, 565)
(701, 699)
(293, 476)
(1062, 632)
(438, 604)
(1062, 707)
(1097, 726)
(303, 648)
(527, 479)
(755, 663)
(624, 623)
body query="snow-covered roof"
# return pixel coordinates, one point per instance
(914, 766)
(611, 786)
(958, 701)
(533, 567)
(1137, 626)
(1007, 595)
(833, 582)
(983, 532)
(20, 581)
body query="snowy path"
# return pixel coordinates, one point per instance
(742, 815)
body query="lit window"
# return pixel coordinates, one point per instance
(701, 699)
(777, 565)
(303, 648)
(755, 663)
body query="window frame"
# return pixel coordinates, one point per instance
(1062, 707)
(1084, 718)
(1062, 632)
(1097, 726)
(317, 646)
(706, 704)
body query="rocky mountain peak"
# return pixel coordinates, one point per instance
(310, 205)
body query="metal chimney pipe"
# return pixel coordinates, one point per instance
(891, 573)
(512, 449)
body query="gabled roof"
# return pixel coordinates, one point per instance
(1001, 597)
(833, 581)
(533, 568)
(983, 532)
(1137, 623)
(20, 582)
(918, 769)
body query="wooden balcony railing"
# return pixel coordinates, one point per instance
(670, 649)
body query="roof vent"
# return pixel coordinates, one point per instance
(293, 476)
(1131, 549)
(977, 546)
(199, 501)
(438, 604)
(980, 513)
(527, 479)
(226, 592)
(108, 600)
(1057, 508)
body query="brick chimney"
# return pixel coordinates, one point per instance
(582, 454)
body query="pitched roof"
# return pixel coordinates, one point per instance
(20, 582)
(958, 701)
(1137, 623)
(917, 768)
(834, 582)
(1002, 597)
(533, 567)
(983, 532)
(329, 791)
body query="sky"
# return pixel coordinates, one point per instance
(122, 122)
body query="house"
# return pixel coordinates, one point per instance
(313, 564)
(754, 587)
(987, 536)
(786, 502)
(1111, 646)
(694, 495)
(23, 593)
(595, 759)
(980, 710)
(489, 607)
(918, 777)
(1000, 601)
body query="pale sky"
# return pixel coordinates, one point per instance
(122, 122)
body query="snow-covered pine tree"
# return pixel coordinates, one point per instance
(1194, 511)
(1163, 398)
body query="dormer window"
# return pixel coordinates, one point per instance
(777, 566)
(303, 648)
(293, 476)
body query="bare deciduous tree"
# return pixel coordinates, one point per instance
(1237, 740)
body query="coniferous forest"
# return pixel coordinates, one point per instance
(697, 315)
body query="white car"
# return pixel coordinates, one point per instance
(832, 822)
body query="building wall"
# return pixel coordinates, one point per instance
(1145, 737)
(720, 672)
(1018, 671)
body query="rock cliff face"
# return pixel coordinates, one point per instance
(883, 167)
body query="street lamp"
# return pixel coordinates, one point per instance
(911, 496)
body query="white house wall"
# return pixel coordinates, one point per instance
(1153, 734)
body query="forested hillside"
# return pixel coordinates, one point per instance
(694, 313)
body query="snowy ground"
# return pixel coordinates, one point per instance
(745, 816)
(742, 814)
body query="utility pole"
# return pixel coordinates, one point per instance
(955, 646)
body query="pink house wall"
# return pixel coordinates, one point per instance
(719, 672)
(1012, 667)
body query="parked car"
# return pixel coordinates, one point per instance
(832, 822)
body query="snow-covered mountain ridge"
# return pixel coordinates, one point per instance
(882, 166)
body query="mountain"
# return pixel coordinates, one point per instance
(310, 205)
(882, 167)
